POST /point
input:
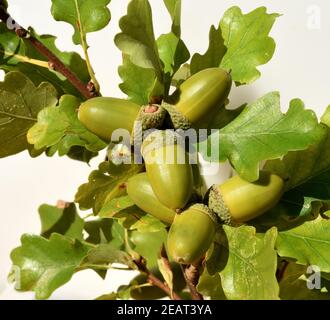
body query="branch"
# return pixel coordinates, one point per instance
(53, 62)
(191, 274)
(152, 279)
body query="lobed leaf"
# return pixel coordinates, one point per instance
(263, 132)
(20, 103)
(85, 16)
(307, 243)
(247, 40)
(60, 128)
(42, 265)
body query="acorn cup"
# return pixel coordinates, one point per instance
(168, 169)
(237, 200)
(199, 97)
(140, 191)
(191, 234)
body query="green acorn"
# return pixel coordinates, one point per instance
(191, 234)
(237, 200)
(103, 116)
(168, 169)
(140, 191)
(201, 95)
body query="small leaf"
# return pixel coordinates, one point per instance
(109, 296)
(293, 285)
(20, 103)
(250, 264)
(44, 265)
(61, 219)
(213, 55)
(59, 126)
(301, 166)
(104, 184)
(307, 243)
(174, 9)
(137, 39)
(105, 231)
(181, 75)
(172, 51)
(84, 15)
(106, 254)
(133, 218)
(138, 83)
(263, 132)
(112, 207)
(148, 245)
(248, 43)
(210, 286)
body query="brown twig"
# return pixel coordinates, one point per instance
(191, 274)
(152, 279)
(281, 270)
(54, 63)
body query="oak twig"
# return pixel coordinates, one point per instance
(191, 274)
(152, 279)
(54, 63)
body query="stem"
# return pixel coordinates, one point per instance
(191, 274)
(152, 279)
(280, 271)
(53, 62)
(84, 44)
(39, 63)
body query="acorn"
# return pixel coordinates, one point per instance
(168, 169)
(202, 94)
(140, 191)
(238, 201)
(191, 234)
(103, 115)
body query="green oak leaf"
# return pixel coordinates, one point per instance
(104, 231)
(20, 103)
(263, 132)
(181, 75)
(137, 39)
(19, 55)
(62, 219)
(248, 264)
(173, 52)
(148, 245)
(85, 16)
(307, 243)
(108, 296)
(247, 40)
(104, 255)
(213, 55)
(174, 9)
(293, 285)
(43, 265)
(133, 218)
(210, 286)
(112, 207)
(104, 184)
(139, 84)
(59, 126)
(301, 166)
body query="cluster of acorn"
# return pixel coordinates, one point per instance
(165, 189)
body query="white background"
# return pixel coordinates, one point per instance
(300, 69)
